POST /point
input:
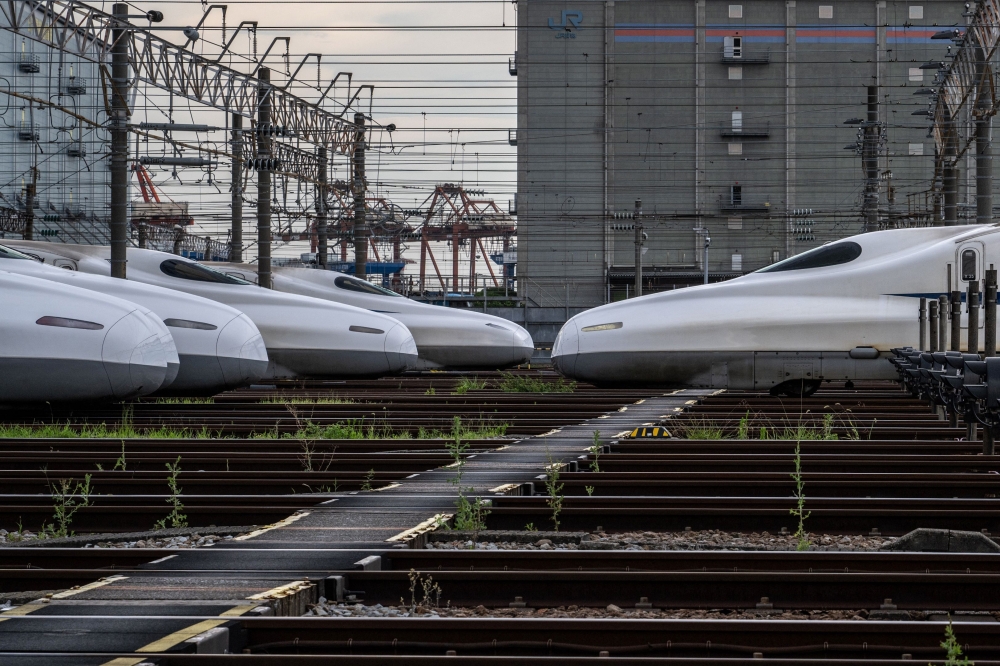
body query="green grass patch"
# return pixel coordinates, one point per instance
(359, 429)
(466, 384)
(749, 427)
(327, 400)
(513, 383)
(472, 430)
(98, 431)
(185, 401)
(701, 430)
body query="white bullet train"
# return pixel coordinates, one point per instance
(445, 337)
(219, 348)
(304, 337)
(62, 343)
(832, 313)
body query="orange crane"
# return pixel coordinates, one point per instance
(154, 211)
(145, 181)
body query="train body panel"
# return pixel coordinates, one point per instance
(303, 336)
(830, 313)
(65, 344)
(217, 347)
(445, 337)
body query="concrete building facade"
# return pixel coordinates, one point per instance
(52, 134)
(726, 119)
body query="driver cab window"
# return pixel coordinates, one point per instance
(969, 272)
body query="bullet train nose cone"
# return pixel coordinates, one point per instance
(169, 348)
(400, 349)
(148, 366)
(524, 346)
(566, 348)
(134, 357)
(173, 361)
(241, 352)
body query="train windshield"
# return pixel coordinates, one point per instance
(828, 255)
(365, 287)
(187, 270)
(8, 253)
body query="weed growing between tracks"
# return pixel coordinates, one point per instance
(953, 648)
(358, 429)
(466, 384)
(68, 498)
(281, 400)
(120, 463)
(554, 489)
(350, 429)
(427, 586)
(595, 452)
(800, 497)
(701, 429)
(366, 485)
(175, 518)
(469, 515)
(312, 459)
(98, 431)
(752, 427)
(185, 401)
(511, 383)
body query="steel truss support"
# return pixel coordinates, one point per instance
(87, 33)
(968, 81)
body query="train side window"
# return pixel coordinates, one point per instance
(10, 253)
(188, 270)
(363, 286)
(969, 265)
(827, 255)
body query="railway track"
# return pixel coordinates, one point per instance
(615, 638)
(873, 460)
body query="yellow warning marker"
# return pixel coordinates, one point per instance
(89, 586)
(169, 641)
(655, 432)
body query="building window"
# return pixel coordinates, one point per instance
(736, 73)
(737, 119)
(736, 149)
(737, 262)
(736, 195)
(735, 11)
(735, 223)
(916, 11)
(732, 47)
(916, 149)
(916, 75)
(775, 256)
(826, 11)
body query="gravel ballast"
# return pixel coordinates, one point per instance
(331, 609)
(173, 537)
(686, 540)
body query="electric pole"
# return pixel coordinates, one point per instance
(984, 153)
(119, 140)
(264, 178)
(950, 177)
(358, 190)
(236, 237)
(704, 261)
(321, 230)
(638, 246)
(869, 161)
(29, 205)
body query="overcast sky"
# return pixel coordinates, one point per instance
(439, 71)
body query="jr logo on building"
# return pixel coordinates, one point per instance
(569, 21)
